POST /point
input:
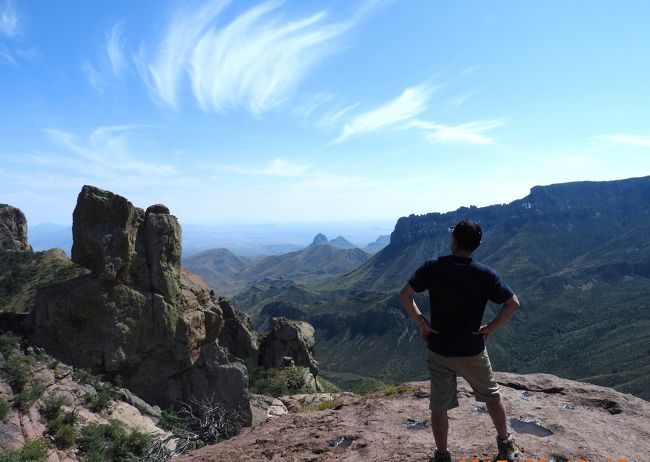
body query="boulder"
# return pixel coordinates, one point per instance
(13, 229)
(289, 338)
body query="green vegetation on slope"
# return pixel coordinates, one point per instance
(22, 273)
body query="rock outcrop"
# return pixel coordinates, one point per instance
(138, 315)
(289, 339)
(551, 419)
(237, 334)
(13, 229)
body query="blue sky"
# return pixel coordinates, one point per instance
(301, 111)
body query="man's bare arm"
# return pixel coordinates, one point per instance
(507, 310)
(407, 301)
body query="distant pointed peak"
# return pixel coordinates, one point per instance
(342, 242)
(320, 239)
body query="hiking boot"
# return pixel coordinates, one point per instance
(507, 449)
(440, 457)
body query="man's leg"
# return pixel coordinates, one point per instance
(443, 398)
(440, 427)
(497, 412)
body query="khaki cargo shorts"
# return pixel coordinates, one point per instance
(477, 370)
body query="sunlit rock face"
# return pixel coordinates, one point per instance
(13, 229)
(138, 315)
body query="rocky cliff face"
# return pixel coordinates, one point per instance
(13, 229)
(138, 315)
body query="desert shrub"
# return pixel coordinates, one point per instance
(104, 392)
(101, 399)
(322, 406)
(32, 451)
(112, 442)
(277, 382)
(391, 389)
(9, 344)
(202, 422)
(169, 419)
(86, 377)
(51, 406)
(368, 385)
(18, 372)
(331, 404)
(60, 424)
(64, 436)
(209, 420)
(29, 394)
(4, 410)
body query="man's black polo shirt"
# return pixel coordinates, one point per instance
(459, 289)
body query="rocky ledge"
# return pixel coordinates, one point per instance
(551, 419)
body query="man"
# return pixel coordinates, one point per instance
(459, 288)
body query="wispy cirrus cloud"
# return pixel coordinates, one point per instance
(9, 19)
(402, 113)
(412, 102)
(471, 132)
(625, 139)
(460, 100)
(107, 152)
(254, 61)
(115, 48)
(110, 60)
(277, 167)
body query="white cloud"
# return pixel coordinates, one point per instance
(114, 49)
(110, 60)
(9, 21)
(332, 117)
(459, 100)
(7, 55)
(278, 167)
(412, 102)
(310, 104)
(471, 132)
(107, 152)
(624, 138)
(94, 76)
(254, 61)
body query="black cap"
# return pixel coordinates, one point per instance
(468, 235)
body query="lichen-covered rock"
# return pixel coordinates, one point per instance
(289, 338)
(138, 315)
(121, 243)
(105, 230)
(13, 229)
